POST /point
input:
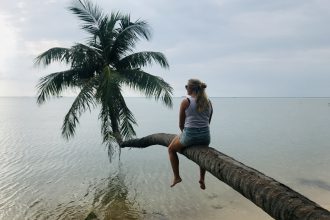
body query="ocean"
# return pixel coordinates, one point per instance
(43, 176)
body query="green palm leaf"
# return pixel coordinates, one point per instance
(106, 125)
(51, 55)
(53, 84)
(150, 85)
(128, 34)
(127, 119)
(138, 28)
(87, 58)
(90, 14)
(142, 59)
(84, 100)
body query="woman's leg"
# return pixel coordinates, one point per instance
(202, 177)
(175, 146)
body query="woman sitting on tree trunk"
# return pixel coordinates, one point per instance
(194, 119)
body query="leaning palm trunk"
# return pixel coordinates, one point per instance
(275, 198)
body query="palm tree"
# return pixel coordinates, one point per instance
(275, 198)
(100, 68)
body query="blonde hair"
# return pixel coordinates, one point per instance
(202, 100)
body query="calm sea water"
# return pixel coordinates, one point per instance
(42, 176)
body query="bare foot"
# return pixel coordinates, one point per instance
(202, 185)
(175, 181)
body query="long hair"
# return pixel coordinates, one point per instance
(198, 87)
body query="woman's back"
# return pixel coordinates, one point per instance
(194, 118)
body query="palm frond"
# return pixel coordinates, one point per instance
(139, 28)
(85, 57)
(53, 84)
(89, 13)
(108, 35)
(108, 136)
(128, 34)
(106, 128)
(84, 100)
(89, 49)
(127, 119)
(113, 20)
(142, 59)
(51, 55)
(150, 85)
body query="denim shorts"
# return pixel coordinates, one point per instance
(195, 136)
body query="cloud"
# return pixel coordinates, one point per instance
(265, 25)
(239, 47)
(8, 46)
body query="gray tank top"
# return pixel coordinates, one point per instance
(195, 119)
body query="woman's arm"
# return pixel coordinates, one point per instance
(211, 111)
(182, 114)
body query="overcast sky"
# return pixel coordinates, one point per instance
(237, 47)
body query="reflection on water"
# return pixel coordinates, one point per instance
(112, 199)
(107, 199)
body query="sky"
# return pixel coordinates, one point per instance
(239, 48)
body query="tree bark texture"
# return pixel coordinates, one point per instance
(275, 198)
